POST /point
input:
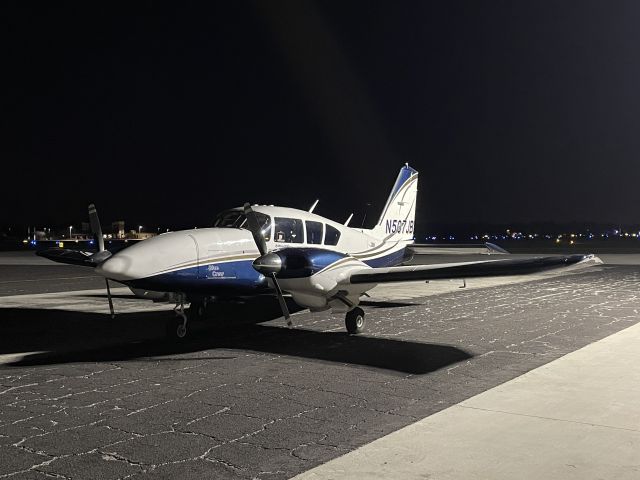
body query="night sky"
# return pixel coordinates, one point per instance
(511, 111)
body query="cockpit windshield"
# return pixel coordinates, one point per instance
(237, 219)
(232, 219)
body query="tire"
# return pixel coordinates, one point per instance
(354, 321)
(175, 330)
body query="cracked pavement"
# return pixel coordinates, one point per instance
(113, 400)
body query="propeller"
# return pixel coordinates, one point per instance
(96, 229)
(254, 228)
(269, 264)
(101, 255)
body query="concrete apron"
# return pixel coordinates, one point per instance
(577, 417)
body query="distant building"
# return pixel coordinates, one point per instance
(140, 235)
(117, 228)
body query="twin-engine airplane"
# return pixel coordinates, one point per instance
(259, 249)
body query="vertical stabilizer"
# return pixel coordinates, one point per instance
(397, 220)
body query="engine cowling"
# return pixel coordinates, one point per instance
(296, 262)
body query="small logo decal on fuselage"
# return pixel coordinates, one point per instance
(213, 271)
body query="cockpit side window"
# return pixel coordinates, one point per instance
(314, 232)
(288, 230)
(331, 235)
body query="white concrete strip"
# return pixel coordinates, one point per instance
(95, 300)
(620, 258)
(90, 301)
(24, 258)
(49, 280)
(575, 418)
(16, 357)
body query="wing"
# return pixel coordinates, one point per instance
(488, 268)
(74, 257)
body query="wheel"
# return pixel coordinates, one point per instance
(354, 321)
(176, 329)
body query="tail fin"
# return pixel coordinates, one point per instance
(397, 220)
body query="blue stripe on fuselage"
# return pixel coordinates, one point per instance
(390, 260)
(237, 277)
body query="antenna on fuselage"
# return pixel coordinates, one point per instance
(314, 205)
(348, 220)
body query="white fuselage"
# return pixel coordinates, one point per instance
(213, 260)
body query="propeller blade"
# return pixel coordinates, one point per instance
(113, 314)
(281, 300)
(254, 228)
(96, 229)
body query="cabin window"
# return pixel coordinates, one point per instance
(288, 230)
(314, 232)
(237, 219)
(331, 235)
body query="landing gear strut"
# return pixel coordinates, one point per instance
(177, 328)
(354, 321)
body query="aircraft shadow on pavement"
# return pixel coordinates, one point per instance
(67, 336)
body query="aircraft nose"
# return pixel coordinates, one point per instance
(158, 255)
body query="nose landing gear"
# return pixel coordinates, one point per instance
(354, 321)
(177, 327)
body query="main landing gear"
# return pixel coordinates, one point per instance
(354, 321)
